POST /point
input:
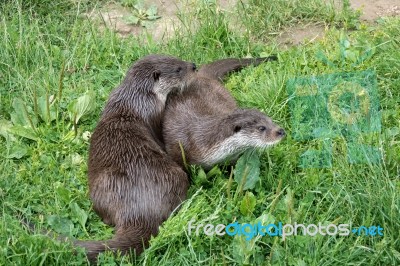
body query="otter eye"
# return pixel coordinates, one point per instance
(237, 129)
(194, 67)
(179, 69)
(262, 128)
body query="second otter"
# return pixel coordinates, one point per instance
(207, 123)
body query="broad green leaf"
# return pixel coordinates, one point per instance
(5, 125)
(17, 151)
(82, 106)
(243, 246)
(266, 219)
(60, 224)
(248, 204)
(152, 12)
(76, 159)
(345, 43)
(215, 171)
(278, 254)
(46, 115)
(351, 55)
(79, 214)
(20, 115)
(63, 193)
(25, 132)
(201, 176)
(131, 20)
(247, 170)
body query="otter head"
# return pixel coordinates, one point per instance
(242, 130)
(161, 74)
(252, 129)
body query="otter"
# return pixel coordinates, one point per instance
(208, 140)
(207, 123)
(133, 184)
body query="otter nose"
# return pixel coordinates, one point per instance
(281, 132)
(194, 66)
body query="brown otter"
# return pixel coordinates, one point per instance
(208, 140)
(206, 121)
(133, 184)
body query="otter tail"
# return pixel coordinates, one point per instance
(134, 237)
(219, 69)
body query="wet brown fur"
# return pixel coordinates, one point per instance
(206, 114)
(133, 184)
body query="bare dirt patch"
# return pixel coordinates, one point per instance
(113, 16)
(300, 34)
(373, 9)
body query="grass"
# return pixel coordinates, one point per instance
(53, 60)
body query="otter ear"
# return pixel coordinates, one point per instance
(156, 75)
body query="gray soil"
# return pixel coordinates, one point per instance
(114, 16)
(371, 10)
